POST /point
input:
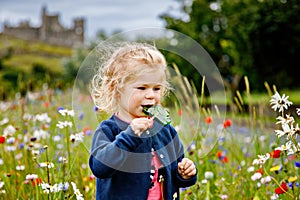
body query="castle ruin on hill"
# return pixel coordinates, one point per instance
(51, 31)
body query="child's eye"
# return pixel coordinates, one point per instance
(141, 88)
(157, 89)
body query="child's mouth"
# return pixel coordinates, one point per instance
(145, 108)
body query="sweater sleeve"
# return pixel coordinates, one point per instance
(109, 153)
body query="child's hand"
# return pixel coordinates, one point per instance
(186, 168)
(139, 125)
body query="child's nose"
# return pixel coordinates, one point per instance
(149, 94)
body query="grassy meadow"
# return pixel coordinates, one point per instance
(239, 155)
(249, 151)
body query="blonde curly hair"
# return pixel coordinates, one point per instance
(123, 66)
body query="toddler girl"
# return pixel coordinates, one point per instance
(135, 156)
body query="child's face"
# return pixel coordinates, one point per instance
(145, 90)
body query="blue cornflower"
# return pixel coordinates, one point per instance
(81, 116)
(21, 146)
(60, 108)
(297, 164)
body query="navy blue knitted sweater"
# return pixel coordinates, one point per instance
(121, 161)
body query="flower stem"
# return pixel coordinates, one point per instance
(68, 147)
(207, 197)
(47, 167)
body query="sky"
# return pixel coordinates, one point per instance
(107, 15)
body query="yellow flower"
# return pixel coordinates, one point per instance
(292, 179)
(275, 168)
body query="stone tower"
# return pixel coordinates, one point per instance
(51, 30)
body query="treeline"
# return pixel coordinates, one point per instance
(258, 39)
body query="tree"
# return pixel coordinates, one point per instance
(259, 39)
(276, 44)
(72, 65)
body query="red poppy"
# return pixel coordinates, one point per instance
(275, 154)
(46, 104)
(179, 112)
(87, 130)
(223, 158)
(208, 120)
(261, 171)
(91, 177)
(282, 189)
(2, 139)
(36, 181)
(227, 123)
(219, 154)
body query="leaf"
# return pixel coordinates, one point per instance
(159, 113)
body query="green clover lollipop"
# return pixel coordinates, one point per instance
(159, 113)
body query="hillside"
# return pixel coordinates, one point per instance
(22, 55)
(29, 64)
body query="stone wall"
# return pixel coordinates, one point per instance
(51, 31)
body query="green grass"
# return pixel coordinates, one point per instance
(25, 62)
(20, 46)
(294, 95)
(24, 54)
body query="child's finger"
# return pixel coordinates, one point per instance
(139, 125)
(150, 122)
(189, 170)
(184, 163)
(192, 173)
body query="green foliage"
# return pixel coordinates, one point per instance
(258, 39)
(276, 44)
(14, 45)
(11, 76)
(72, 65)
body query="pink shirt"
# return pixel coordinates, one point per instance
(155, 192)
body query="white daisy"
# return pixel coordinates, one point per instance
(78, 137)
(286, 130)
(256, 176)
(298, 111)
(31, 176)
(285, 120)
(280, 103)
(64, 124)
(261, 159)
(44, 118)
(67, 112)
(77, 193)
